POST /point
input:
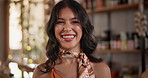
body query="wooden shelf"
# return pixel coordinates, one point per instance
(116, 8)
(117, 51)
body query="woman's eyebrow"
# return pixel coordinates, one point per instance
(75, 18)
(60, 19)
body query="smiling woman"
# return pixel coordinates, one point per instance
(70, 45)
(68, 30)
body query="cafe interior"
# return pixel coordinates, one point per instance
(120, 27)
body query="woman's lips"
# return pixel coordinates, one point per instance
(68, 37)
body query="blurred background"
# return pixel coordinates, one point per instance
(121, 28)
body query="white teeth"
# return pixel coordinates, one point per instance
(68, 36)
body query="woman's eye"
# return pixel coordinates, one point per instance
(59, 22)
(75, 22)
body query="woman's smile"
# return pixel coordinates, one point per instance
(68, 37)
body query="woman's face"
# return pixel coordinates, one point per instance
(68, 30)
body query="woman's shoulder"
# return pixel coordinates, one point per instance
(101, 70)
(38, 72)
(100, 65)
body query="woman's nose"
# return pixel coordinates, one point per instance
(67, 27)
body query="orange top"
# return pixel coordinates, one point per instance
(53, 74)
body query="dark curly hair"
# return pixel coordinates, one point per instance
(88, 42)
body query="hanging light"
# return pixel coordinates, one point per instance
(28, 48)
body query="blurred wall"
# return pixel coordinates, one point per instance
(2, 30)
(120, 21)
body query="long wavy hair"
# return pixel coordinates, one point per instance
(87, 43)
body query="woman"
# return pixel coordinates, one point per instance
(70, 45)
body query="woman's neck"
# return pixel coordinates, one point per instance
(69, 60)
(78, 50)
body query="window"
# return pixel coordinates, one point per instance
(27, 22)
